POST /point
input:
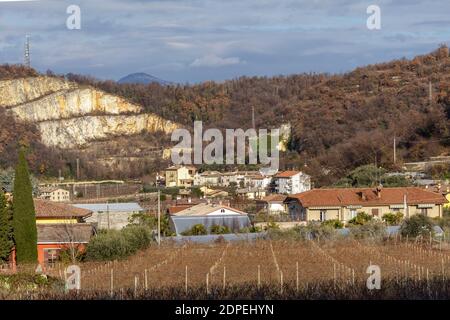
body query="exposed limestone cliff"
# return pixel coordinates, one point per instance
(76, 132)
(69, 116)
(14, 92)
(75, 103)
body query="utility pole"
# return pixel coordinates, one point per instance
(78, 168)
(159, 217)
(253, 118)
(376, 167)
(430, 92)
(395, 150)
(107, 215)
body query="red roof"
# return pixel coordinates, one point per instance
(48, 209)
(366, 196)
(286, 174)
(274, 198)
(180, 207)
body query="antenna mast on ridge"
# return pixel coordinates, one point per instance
(26, 57)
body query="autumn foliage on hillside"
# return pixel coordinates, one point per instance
(14, 135)
(14, 71)
(338, 122)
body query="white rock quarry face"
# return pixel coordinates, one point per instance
(69, 116)
(78, 132)
(75, 103)
(14, 92)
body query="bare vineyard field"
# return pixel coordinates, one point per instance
(280, 265)
(268, 269)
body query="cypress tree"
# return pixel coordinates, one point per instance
(24, 217)
(6, 242)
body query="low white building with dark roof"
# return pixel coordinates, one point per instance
(208, 215)
(110, 215)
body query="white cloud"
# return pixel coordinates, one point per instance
(212, 60)
(179, 45)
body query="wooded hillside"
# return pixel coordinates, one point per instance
(338, 121)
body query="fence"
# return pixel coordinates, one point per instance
(281, 267)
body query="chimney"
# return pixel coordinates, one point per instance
(378, 191)
(362, 195)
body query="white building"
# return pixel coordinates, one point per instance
(110, 215)
(272, 204)
(207, 178)
(54, 194)
(228, 178)
(208, 215)
(251, 193)
(292, 182)
(258, 181)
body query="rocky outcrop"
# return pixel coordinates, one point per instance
(74, 103)
(69, 116)
(18, 91)
(78, 132)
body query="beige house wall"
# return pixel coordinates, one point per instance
(314, 214)
(174, 178)
(171, 178)
(344, 213)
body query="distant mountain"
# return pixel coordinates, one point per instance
(142, 78)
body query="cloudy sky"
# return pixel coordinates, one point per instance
(199, 40)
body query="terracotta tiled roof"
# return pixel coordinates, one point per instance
(274, 198)
(64, 233)
(286, 174)
(256, 177)
(180, 207)
(366, 196)
(48, 209)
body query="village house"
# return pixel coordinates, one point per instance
(207, 178)
(213, 193)
(291, 182)
(228, 178)
(180, 176)
(344, 204)
(251, 193)
(272, 204)
(48, 212)
(108, 216)
(257, 181)
(60, 227)
(208, 215)
(54, 194)
(52, 238)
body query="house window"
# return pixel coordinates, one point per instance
(375, 212)
(222, 210)
(424, 211)
(323, 215)
(352, 213)
(51, 256)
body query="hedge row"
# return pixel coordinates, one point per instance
(114, 244)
